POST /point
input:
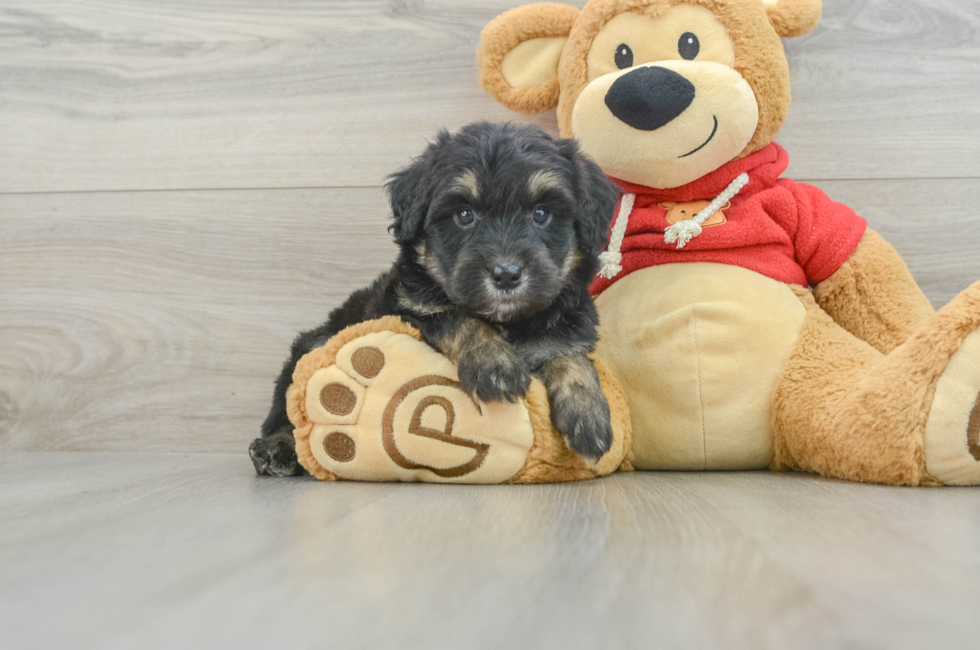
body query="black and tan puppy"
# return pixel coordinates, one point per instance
(500, 227)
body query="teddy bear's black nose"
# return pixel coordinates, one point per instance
(648, 98)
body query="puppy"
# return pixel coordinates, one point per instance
(500, 228)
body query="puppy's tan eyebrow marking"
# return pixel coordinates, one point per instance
(466, 183)
(542, 180)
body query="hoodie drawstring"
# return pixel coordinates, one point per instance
(681, 232)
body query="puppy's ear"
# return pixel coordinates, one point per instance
(410, 192)
(793, 17)
(596, 195)
(518, 55)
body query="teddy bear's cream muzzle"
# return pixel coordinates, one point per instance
(715, 125)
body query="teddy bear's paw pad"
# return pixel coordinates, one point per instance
(952, 437)
(391, 408)
(333, 397)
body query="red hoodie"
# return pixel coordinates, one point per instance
(786, 230)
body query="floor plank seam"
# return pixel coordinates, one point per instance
(374, 187)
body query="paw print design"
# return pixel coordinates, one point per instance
(390, 408)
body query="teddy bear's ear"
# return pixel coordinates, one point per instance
(793, 17)
(519, 52)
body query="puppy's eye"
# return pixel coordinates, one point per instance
(541, 217)
(688, 46)
(464, 218)
(624, 56)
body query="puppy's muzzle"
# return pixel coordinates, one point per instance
(507, 277)
(650, 97)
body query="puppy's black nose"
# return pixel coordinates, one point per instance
(648, 98)
(507, 277)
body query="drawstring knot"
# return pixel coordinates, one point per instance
(685, 230)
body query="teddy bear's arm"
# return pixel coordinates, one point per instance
(874, 296)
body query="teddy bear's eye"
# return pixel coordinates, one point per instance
(624, 56)
(688, 46)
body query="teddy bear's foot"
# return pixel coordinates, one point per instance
(391, 408)
(952, 431)
(910, 417)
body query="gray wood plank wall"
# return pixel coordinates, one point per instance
(185, 185)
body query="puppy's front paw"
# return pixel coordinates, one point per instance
(275, 455)
(494, 376)
(582, 418)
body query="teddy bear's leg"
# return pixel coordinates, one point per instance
(843, 409)
(874, 296)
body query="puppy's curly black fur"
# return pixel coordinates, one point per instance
(500, 229)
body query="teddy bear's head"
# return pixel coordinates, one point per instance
(659, 92)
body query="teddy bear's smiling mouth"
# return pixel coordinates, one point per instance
(710, 138)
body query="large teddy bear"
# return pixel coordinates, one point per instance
(751, 321)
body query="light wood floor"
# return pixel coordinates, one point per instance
(192, 550)
(186, 184)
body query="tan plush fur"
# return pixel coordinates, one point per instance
(874, 296)
(548, 460)
(320, 358)
(500, 36)
(793, 18)
(682, 339)
(856, 397)
(759, 55)
(843, 409)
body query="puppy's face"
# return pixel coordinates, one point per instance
(502, 217)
